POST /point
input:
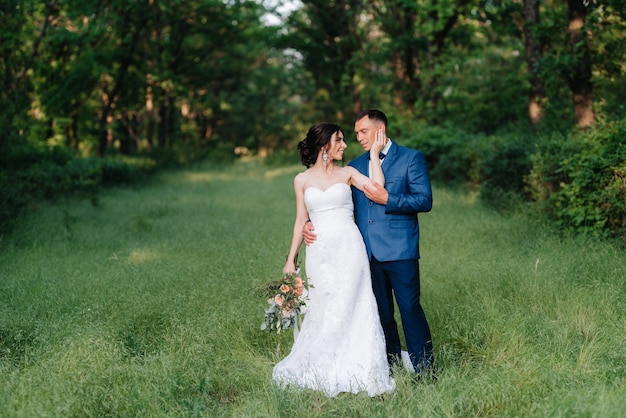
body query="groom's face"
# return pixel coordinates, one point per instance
(365, 130)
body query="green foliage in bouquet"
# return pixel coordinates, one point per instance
(286, 298)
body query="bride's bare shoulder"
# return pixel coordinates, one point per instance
(302, 179)
(304, 175)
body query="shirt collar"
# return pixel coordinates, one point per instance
(385, 150)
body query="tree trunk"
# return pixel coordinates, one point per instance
(407, 82)
(165, 122)
(120, 83)
(74, 129)
(407, 78)
(162, 126)
(534, 49)
(104, 133)
(398, 20)
(356, 94)
(149, 112)
(580, 78)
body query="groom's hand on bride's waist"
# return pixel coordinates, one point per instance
(308, 234)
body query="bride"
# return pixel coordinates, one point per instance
(341, 345)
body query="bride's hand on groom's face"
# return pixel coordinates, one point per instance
(376, 193)
(380, 140)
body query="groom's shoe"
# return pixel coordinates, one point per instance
(425, 372)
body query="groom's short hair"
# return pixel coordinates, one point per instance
(373, 114)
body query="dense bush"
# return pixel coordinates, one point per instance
(581, 180)
(502, 166)
(451, 154)
(495, 165)
(578, 180)
(30, 174)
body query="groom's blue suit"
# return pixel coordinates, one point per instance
(391, 235)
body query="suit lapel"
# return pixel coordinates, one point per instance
(390, 157)
(362, 164)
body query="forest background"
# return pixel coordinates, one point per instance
(519, 100)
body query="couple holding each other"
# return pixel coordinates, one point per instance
(349, 337)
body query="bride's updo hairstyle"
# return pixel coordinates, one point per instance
(317, 137)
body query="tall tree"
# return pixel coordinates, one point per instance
(417, 32)
(131, 31)
(24, 27)
(398, 20)
(579, 77)
(155, 73)
(327, 35)
(534, 51)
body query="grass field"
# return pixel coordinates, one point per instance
(141, 305)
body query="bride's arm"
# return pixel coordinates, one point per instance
(302, 215)
(359, 180)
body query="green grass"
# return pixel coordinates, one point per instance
(141, 305)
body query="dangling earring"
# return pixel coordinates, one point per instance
(325, 157)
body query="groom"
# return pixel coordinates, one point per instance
(387, 219)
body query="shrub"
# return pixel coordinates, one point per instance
(496, 165)
(31, 174)
(126, 171)
(503, 165)
(450, 153)
(581, 182)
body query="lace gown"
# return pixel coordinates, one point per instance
(341, 345)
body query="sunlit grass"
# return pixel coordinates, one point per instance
(140, 305)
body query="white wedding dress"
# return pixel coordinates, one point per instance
(340, 346)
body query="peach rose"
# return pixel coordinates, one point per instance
(279, 299)
(284, 288)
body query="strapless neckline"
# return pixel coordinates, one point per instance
(326, 189)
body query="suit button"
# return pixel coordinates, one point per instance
(369, 221)
(371, 203)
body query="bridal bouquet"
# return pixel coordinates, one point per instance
(287, 298)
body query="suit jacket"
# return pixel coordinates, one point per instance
(391, 232)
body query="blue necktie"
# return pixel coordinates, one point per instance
(381, 155)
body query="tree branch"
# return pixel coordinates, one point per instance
(33, 54)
